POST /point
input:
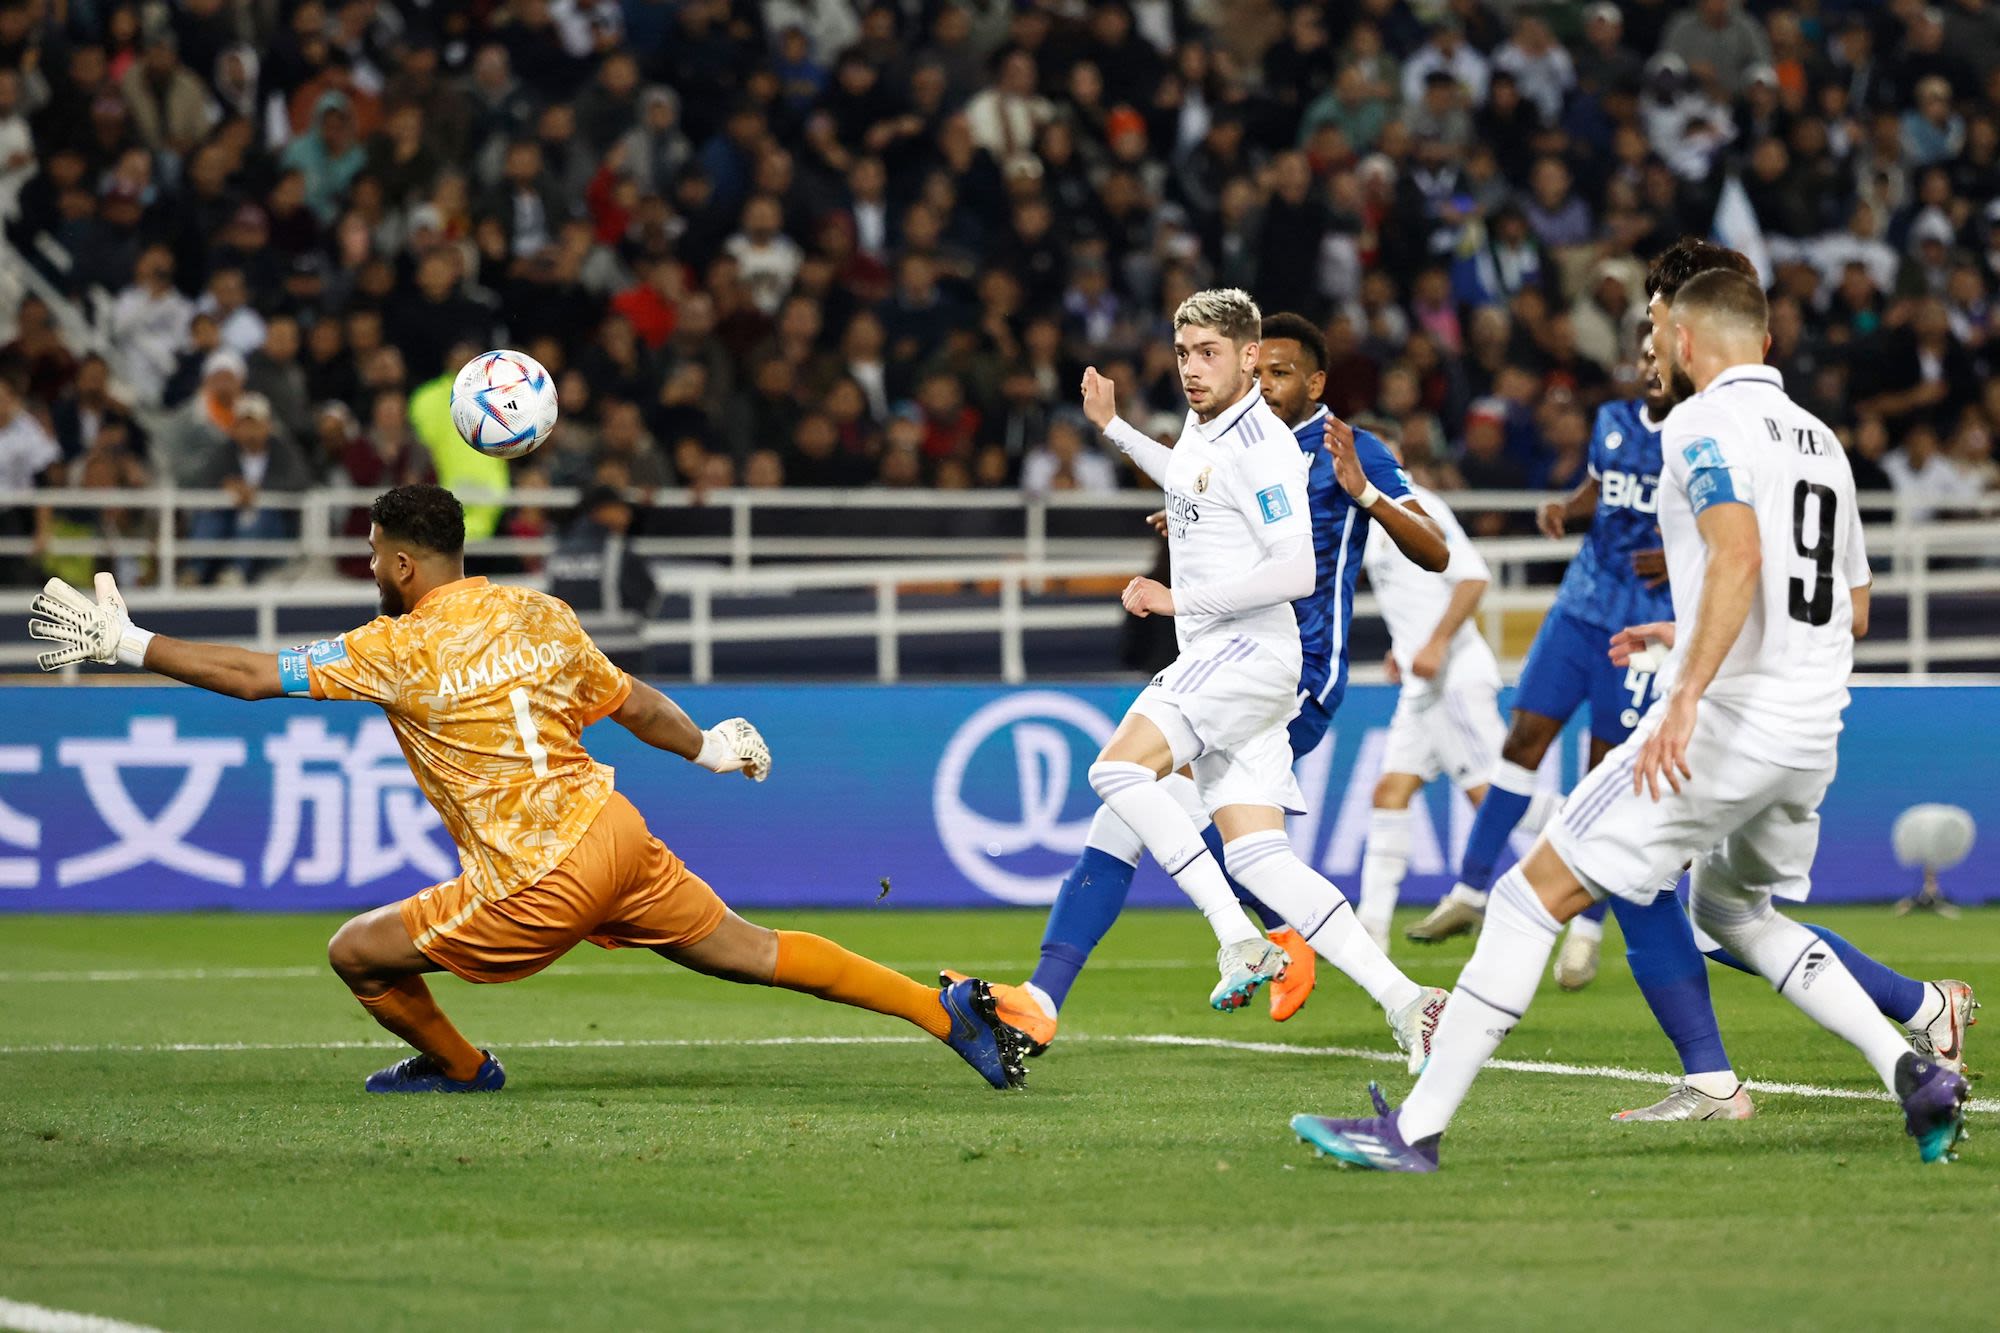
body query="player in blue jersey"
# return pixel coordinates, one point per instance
(1291, 369)
(1617, 582)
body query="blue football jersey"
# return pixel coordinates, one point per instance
(1340, 531)
(1599, 587)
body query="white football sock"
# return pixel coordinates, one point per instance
(1134, 795)
(1803, 969)
(1265, 864)
(1383, 867)
(1114, 837)
(1544, 804)
(1181, 787)
(1720, 1084)
(1471, 897)
(1586, 929)
(1492, 993)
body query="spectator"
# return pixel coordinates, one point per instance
(1719, 44)
(202, 426)
(1539, 64)
(1005, 118)
(168, 105)
(1925, 481)
(1069, 460)
(1446, 50)
(89, 409)
(273, 370)
(252, 463)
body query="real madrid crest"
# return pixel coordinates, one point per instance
(1201, 482)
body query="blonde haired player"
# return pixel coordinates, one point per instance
(1240, 539)
(489, 689)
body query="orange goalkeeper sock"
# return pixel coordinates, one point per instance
(408, 1010)
(820, 967)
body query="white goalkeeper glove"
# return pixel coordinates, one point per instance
(99, 631)
(732, 746)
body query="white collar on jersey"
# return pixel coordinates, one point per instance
(1319, 414)
(1740, 374)
(1646, 422)
(1215, 428)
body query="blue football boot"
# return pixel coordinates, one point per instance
(420, 1073)
(987, 1044)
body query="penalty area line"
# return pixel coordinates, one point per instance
(1548, 1068)
(24, 1318)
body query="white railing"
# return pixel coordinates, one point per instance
(323, 515)
(745, 564)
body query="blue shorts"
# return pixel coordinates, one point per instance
(1309, 727)
(1569, 664)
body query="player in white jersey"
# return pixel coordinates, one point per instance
(1447, 720)
(1240, 542)
(1728, 768)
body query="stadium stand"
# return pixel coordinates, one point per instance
(774, 252)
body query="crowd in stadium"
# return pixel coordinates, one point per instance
(812, 243)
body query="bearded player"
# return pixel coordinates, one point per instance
(489, 689)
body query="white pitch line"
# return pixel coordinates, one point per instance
(25, 1318)
(1548, 1067)
(601, 970)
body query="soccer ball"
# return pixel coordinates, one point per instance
(503, 403)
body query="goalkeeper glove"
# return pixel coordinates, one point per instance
(735, 745)
(88, 632)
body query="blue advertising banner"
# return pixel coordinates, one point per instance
(163, 799)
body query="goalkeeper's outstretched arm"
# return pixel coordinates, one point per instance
(236, 672)
(102, 631)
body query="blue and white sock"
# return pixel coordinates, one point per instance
(1897, 996)
(1508, 795)
(1090, 899)
(1673, 976)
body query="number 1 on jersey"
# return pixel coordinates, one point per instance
(531, 743)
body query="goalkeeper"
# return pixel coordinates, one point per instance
(488, 689)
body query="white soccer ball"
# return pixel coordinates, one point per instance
(503, 403)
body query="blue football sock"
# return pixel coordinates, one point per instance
(1089, 901)
(1897, 996)
(1595, 912)
(1491, 827)
(1659, 945)
(1272, 921)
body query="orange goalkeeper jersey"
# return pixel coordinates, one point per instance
(488, 689)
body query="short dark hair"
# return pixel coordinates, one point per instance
(1300, 330)
(425, 516)
(1727, 293)
(1688, 258)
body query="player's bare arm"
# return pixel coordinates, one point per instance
(1430, 659)
(102, 631)
(728, 747)
(1729, 589)
(1413, 531)
(1554, 517)
(1861, 602)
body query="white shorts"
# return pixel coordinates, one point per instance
(1224, 706)
(1455, 732)
(1740, 820)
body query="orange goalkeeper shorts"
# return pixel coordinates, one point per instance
(620, 887)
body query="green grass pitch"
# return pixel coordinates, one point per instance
(659, 1161)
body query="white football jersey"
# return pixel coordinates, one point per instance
(1236, 487)
(1412, 601)
(1742, 439)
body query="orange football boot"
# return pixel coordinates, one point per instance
(1290, 991)
(1018, 1010)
